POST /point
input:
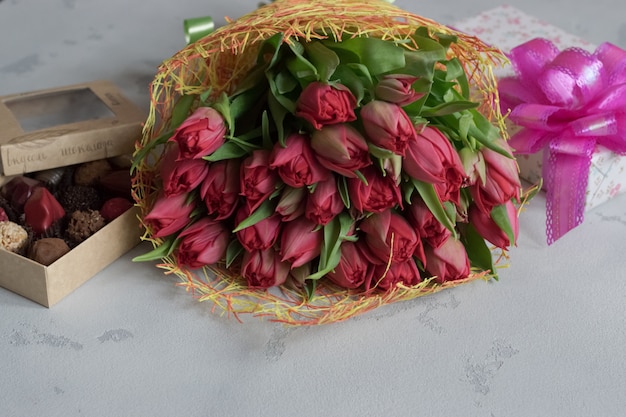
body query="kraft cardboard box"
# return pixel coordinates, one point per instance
(507, 27)
(58, 128)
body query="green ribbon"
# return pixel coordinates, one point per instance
(198, 27)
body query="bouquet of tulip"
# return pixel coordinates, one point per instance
(312, 161)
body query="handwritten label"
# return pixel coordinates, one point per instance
(21, 159)
(87, 148)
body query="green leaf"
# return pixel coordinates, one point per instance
(477, 250)
(324, 59)
(143, 152)
(342, 187)
(233, 251)
(431, 199)
(222, 105)
(448, 108)
(309, 288)
(300, 67)
(335, 232)
(378, 55)
(229, 150)
(345, 75)
(164, 250)
(265, 127)
(181, 110)
(279, 113)
(285, 82)
(379, 152)
(271, 45)
(284, 101)
(455, 71)
(500, 216)
(265, 210)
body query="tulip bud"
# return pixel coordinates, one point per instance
(353, 269)
(324, 203)
(260, 235)
(203, 243)
(263, 269)
(397, 88)
(489, 230)
(425, 224)
(341, 148)
(448, 262)
(390, 234)
(200, 134)
(323, 104)
(181, 176)
(405, 273)
(379, 194)
(220, 188)
(296, 164)
(387, 126)
(169, 215)
(292, 203)
(257, 180)
(300, 242)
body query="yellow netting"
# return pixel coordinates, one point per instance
(222, 59)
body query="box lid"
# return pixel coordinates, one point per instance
(65, 126)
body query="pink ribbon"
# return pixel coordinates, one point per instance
(567, 102)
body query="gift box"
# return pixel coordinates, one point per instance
(46, 136)
(508, 28)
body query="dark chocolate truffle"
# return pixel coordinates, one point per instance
(79, 198)
(90, 173)
(83, 224)
(47, 250)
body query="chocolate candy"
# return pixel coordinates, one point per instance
(90, 173)
(83, 224)
(19, 190)
(80, 197)
(47, 250)
(42, 211)
(117, 182)
(115, 207)
(13, 237)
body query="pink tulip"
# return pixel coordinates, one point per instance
(257, 181)
(263, 269)
(200, 134)
(341, 148)
(397, 88)
(354, 270)
(388, 126)
(261, 235)
(169, 215)
(324, 203)
(405, 273)
(502, 181)
(448, 262)
(220, 188)
(291, 203)
(181, 176)
(300, 242)
(432, 159)
(425, 224)
(388, 233)
(489, 230)
(379, 194)
(323, 104)
(296, 164)
(203, 243)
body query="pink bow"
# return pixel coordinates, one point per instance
(567, 103)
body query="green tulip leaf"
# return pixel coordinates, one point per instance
(378, 55)
(500, 216)
(324, 59)
(448, 108)
(279, 113)
(141, 154)
(335, 232)
(342, 187)
(164, 250)
(233, 251)
(477, 250)
(265, 210)
(346, 76)
(431, 199)
(181, 110)
(222, 105)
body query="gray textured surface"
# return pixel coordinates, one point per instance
(547, 340)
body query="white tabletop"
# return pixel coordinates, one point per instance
(548, 339)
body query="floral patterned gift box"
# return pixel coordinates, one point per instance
(522, 35)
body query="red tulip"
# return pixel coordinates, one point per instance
(220, 188)
(397, 88)
(324, 203)
(203, 243)
(398, 273)
(425, 224)
(387, 126)
(181, 176)
(261, 235)
(323, 104)
(489, 230)
(169, 215)
(263, 269)
(292, 203)
(354, 269)
(296, 164)
(341, 148)
(300, 242)
(379, 194)
(200, 134)
(502, 181)
(432, 159)
(388, 233)
(257, 181)
(448, 262)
